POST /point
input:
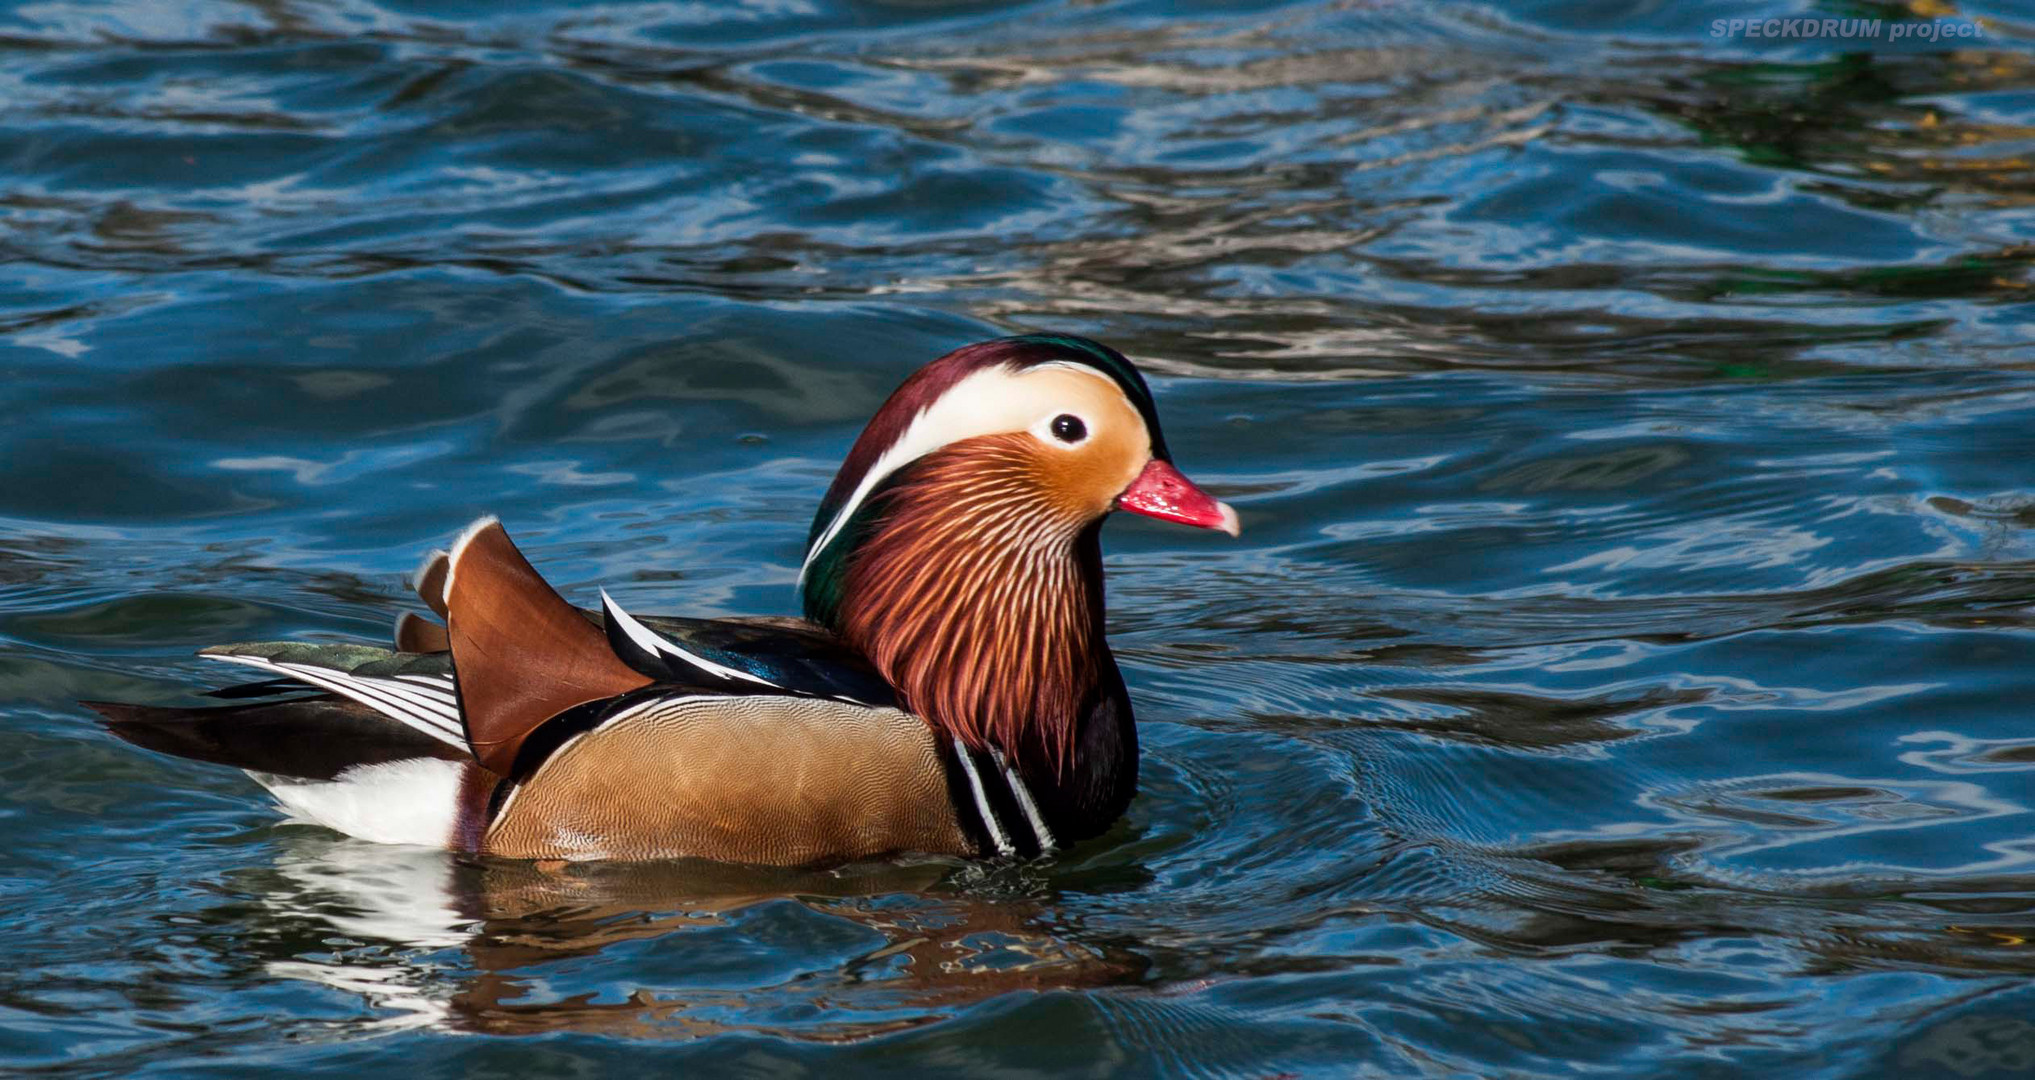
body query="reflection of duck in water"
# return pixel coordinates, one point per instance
(949, 691)
(878, 946)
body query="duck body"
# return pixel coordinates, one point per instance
(949, 690)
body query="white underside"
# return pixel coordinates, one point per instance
(400, 802)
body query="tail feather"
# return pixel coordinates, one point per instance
(523, 656)
(307, 738)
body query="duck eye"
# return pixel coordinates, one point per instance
(1068, 428)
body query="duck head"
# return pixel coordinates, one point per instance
(958, 546)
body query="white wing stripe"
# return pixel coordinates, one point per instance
(368, 693)
(361, 690)
(443, 707)
(996, 836)
(437, 687)
(390, 705)
(652, 642)
(380, 690)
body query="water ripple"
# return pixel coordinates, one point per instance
(1620, 670)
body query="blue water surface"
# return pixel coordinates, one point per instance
(1627, 667)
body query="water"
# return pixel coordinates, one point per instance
(1625, 668)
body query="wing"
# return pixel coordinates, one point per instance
(744, 656)
(327, 709)
(417, 691)
(785, 654)
(309, 738)
(523, 655)
(525, 658)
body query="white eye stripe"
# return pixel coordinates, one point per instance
(991, 401)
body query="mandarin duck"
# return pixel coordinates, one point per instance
(948, 691)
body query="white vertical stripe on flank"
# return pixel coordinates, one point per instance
(1024, 798)
(996, 834)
